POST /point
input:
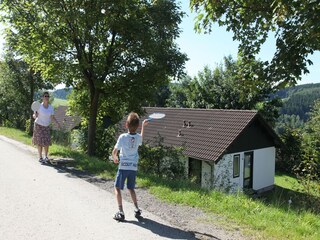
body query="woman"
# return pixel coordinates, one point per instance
(41, 132)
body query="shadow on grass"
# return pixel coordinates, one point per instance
(286, 199)
(85, 163)
(65, 165)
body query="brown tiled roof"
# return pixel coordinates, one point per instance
(66, 122)
(207, 133)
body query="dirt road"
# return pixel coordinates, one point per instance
(41, 202)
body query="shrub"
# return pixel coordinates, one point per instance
(162, 161)
(290, 155)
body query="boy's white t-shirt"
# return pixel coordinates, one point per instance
(44, 115)
(128, 145)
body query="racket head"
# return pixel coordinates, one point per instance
(155, 116)
(35, 106)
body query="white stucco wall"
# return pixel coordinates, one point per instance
(264, 168)
(263, 171)
(223, 174)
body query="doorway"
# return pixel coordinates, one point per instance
(248, 170)
(195, 167)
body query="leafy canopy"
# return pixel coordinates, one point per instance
(18, 85)
(225, 88)
(295, 24)
(111, 52)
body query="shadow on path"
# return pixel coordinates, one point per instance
(162, 230)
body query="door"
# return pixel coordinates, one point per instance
(195, 167)
(248, 170)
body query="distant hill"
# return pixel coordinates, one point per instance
(289, 91)
(62, 93)
(299, 100)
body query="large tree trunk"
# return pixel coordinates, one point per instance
(93, 123)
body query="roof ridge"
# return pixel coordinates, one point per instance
(203, 109)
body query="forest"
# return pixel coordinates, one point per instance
(297, 101)
(297, 104)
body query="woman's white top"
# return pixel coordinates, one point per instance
(44, 115)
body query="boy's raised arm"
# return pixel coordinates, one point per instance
(144, 123)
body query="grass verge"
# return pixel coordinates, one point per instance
(270, 216)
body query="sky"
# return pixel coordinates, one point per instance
(209, 49)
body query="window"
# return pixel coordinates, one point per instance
(236, 165)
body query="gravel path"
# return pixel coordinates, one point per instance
(39, 202)
(186, 218)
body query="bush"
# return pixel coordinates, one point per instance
(105, 140)
(61, 138)
(290, 155)
(162, 161)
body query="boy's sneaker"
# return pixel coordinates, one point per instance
(137, 213)
(119, 216)
(46, 160)
(41, 160)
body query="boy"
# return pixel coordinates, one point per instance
(128, 144)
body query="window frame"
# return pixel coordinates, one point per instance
(236, 159)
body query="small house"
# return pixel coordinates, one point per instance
(224, 149)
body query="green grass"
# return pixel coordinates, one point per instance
(285, 181)
(16, 135)
(268, 217)
(83, 162)
(59, 102)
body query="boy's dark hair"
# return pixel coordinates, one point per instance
(133, 122)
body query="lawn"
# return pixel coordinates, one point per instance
(59, 102)
(283, 213)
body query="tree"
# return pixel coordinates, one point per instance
(18, 86)
(115, 52)
(285, 122)
(308, 171)
(311, 143)
(290, 155)
(295, 24)
(181, 93)
(224, 88)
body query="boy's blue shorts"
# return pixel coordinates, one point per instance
(122, 176)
